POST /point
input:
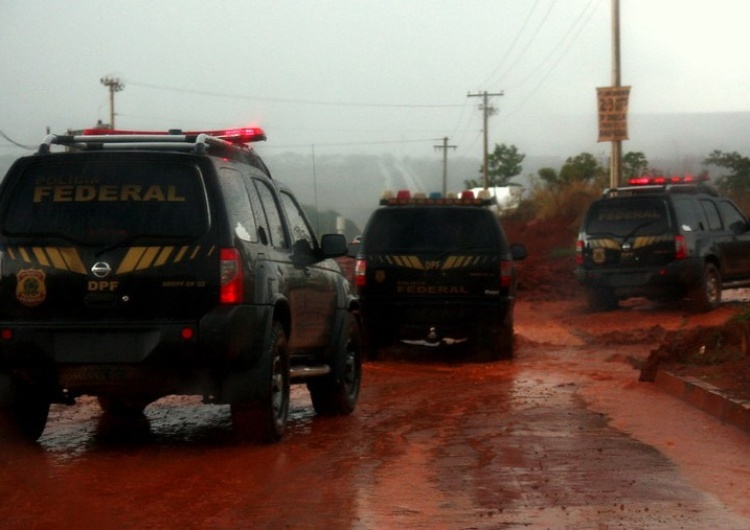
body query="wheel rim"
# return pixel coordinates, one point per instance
(352, 368)
(278, 386)
(712, 288)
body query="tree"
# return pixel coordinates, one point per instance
(634, 163)
(737, 181)
(503, 164)
(549, 176)
(581, 168)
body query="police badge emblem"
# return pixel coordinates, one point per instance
(31, 289)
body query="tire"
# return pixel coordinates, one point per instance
(336, 394)
(372, 338)
(706, 296)
(263, 416)
(24, 407)
(495, 343)
(601, 299)
(126, 407)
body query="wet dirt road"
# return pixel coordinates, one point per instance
(562, 437)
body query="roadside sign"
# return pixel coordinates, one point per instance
(613, 113)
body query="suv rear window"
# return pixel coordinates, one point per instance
(646, 216)
(94, 202)
(431, 228)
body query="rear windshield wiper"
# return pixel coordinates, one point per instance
(638, 227)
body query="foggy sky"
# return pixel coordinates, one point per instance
(367, 76)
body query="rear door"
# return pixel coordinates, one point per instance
(630, 232)
(735, 245)
(106, 236)
(432, 252)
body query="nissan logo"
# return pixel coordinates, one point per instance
(101, 269)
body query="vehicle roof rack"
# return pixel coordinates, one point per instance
(660, 188)
(187, 142)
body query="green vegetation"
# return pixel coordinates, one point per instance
(504, 163)
(567, 192)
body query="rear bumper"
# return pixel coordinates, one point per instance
(413, 318)
(154, 357)
(644, 281)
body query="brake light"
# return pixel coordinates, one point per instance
(506, 273)
(360, 268)
(579, 252)
(680, 247)
(232, 279)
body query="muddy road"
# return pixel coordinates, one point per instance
(564, 436)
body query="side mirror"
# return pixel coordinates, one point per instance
(333, 245)
(738, 227)
(353, 249)
(518, 251)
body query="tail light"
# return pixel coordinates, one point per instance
(232, 279)
(579, 252)
(506, 273)
(359, 273)
(680, 247)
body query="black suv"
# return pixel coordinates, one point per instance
(436, 271)
(663, 239)
(137, 265)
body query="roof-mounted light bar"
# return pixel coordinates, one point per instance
(647, 180)
(405, 198)
(242, 135)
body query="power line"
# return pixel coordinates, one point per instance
(562, 53)
(528, 44)
(561, 48)
(513, 44)
(17, 144)
(289, 101)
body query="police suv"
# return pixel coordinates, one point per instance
(664, 238)
(137, 265)
(437, 270)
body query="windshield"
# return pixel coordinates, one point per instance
(431, 229)
(93, 202)
(631, 217)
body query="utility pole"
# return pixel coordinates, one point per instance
(616, 163)
(114, 85)
(444, 146)
(488, 111)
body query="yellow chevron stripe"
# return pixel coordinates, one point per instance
(41, 257)
(130, 260)
(73, 260)
(147, 258)
(163, 256)
(180, 254)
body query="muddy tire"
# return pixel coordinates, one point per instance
(706, 296)
(375, 337)
(336, 394)
(262, 417)
(23, 407)
(495, 343)
(601, 299)
(126, 407)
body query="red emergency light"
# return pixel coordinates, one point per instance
(405, 197)
(242, 135)
(664, 180)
